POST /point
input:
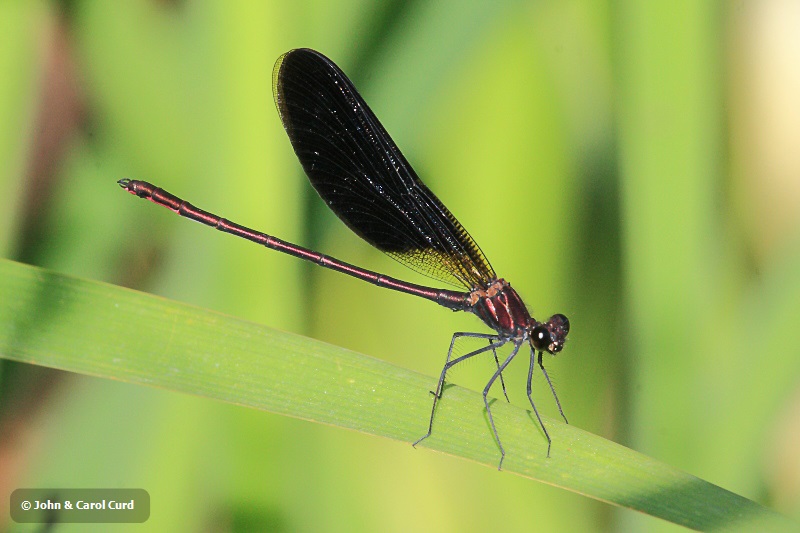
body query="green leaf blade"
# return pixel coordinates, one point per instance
(101, 330)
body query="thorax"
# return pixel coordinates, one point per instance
(501, 308)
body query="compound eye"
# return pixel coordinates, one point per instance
(561, 322)
(541, 338)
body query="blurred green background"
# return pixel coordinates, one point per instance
(633, 165)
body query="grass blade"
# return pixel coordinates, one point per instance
(101, 330)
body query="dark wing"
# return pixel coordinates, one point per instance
(356, 168)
